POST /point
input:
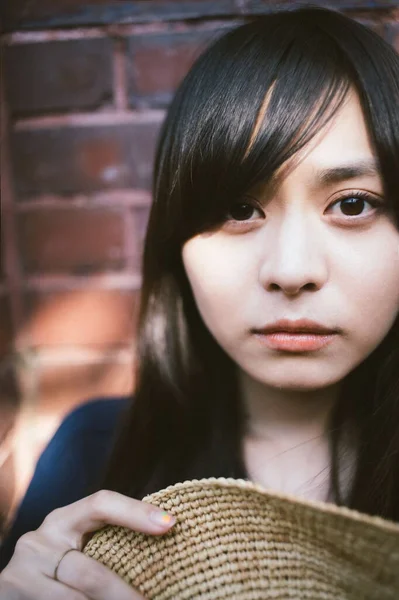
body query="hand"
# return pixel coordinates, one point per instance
(30, 574)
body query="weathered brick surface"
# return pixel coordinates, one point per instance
(71, 13)
(60, 75)
(21, 12)
(68, 160)
(159, 62)
(72, 240)
(90, 317)
(47, 13)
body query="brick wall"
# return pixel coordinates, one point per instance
(85, 88)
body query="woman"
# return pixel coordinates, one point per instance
(268, 338)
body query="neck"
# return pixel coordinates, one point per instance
(286, 417)
(285, 443)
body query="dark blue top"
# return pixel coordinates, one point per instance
(70, 464)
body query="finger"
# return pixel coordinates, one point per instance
(105, 507)
(94, 579)
(31, 587)
(36, 552)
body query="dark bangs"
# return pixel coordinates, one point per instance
(255, 98)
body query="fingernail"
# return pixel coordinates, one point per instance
(162, 518)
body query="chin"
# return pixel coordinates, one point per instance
(299, 379)
(300, 386)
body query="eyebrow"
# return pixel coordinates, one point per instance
(363, 168)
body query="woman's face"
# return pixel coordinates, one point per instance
(319, 246)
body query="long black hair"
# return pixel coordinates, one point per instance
(187, 419)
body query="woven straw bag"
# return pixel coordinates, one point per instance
(233, 539)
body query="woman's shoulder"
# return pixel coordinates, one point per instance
(82, 441)
(99, 414)
(80, 446)
(71, 463)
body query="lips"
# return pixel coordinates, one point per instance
(296, 336)
(296, 327)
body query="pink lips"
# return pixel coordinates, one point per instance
(296, 336)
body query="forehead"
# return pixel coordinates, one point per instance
(343, 141)
(346, 135)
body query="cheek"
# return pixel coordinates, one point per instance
(373, 290)
(220, 277)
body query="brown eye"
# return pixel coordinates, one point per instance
(352, 206)
(243, 211)
(357, 206)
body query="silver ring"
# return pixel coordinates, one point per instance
(55, 577)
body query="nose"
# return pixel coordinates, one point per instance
(295, 258)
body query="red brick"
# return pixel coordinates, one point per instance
(69, 160)
(61, 75)
(6, 329)
(75, 240)
(88, 318)
(159, 62)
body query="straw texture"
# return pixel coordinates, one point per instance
(233, 539)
